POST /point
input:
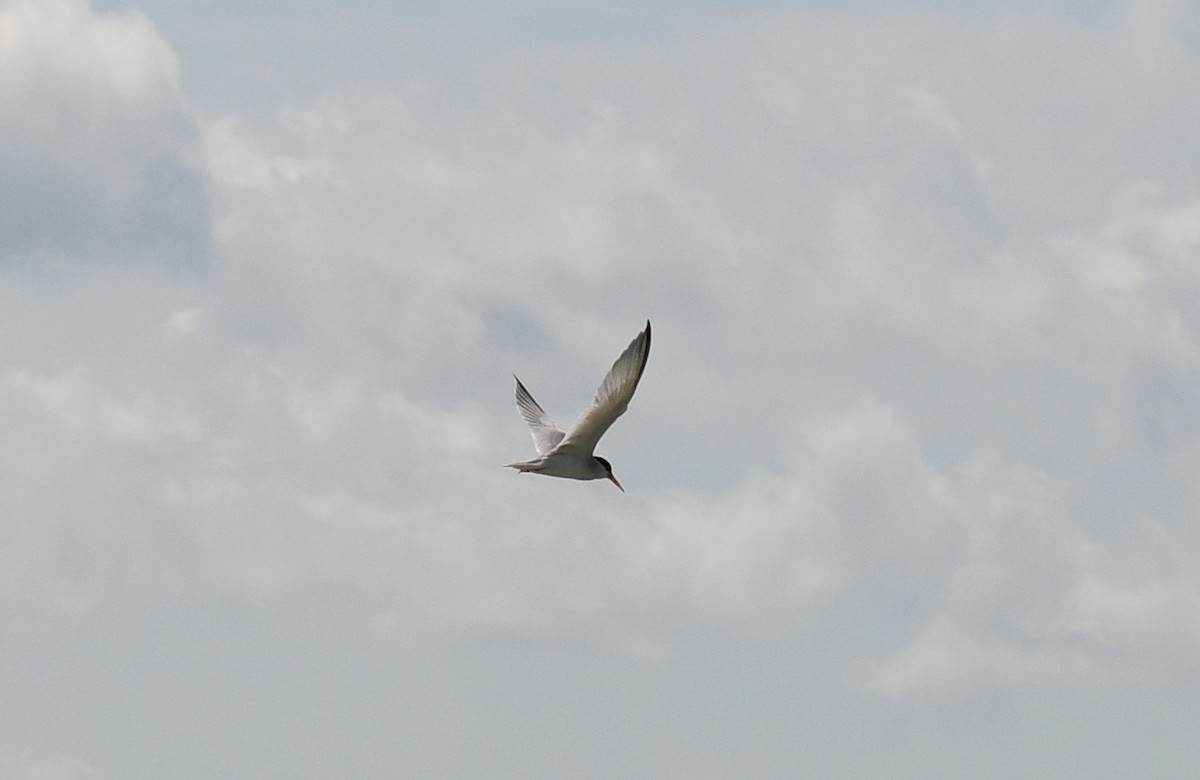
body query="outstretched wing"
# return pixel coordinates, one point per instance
(612, 399)
(546, 435)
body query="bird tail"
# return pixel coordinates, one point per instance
(526, 465)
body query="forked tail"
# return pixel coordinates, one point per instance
(526, 465)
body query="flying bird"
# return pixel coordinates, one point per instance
(570, 454)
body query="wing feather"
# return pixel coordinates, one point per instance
(546, 435)
(612, 399)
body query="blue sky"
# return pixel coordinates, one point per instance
(912, 474)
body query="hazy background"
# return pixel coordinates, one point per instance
(913, 475)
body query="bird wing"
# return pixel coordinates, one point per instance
(546, 435)
(612, 399)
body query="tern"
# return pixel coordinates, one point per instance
(570, 454)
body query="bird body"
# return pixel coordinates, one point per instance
(569, 454)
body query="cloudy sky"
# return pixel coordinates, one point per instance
(913, 475)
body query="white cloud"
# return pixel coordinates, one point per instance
(1148, 625)
(25, 765)
(944, 659)
(1033, 596)
(98, 151)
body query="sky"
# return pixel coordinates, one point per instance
(913, 475)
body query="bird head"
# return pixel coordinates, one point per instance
(608, 470)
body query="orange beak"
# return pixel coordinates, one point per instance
(613, 479)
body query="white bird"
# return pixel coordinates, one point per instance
(570, 454)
